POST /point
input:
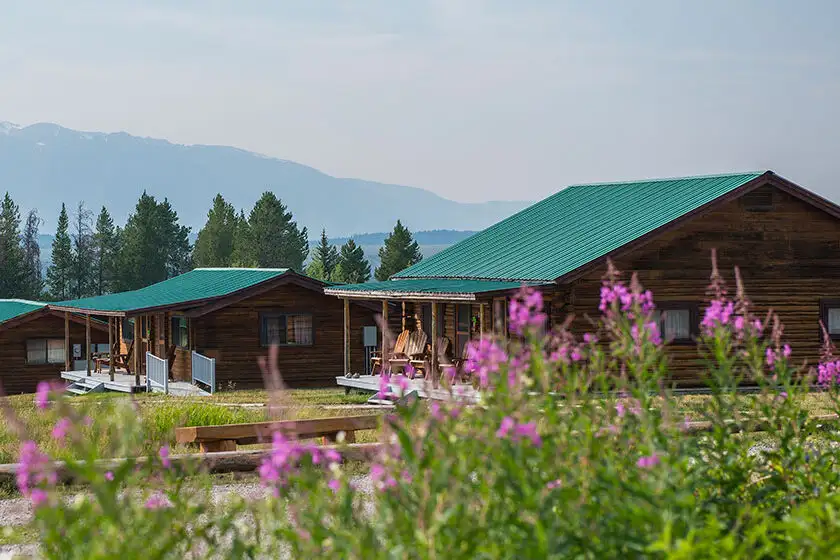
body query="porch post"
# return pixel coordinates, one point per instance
(384, 328)
(112, 324)
(402, 324)
(87, 343)
(346, 336)
(434, 357)
(67, 350)
(480, 320)
(138, 349)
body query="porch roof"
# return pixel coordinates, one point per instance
(196, 287)
(12, 308)
(424, 289)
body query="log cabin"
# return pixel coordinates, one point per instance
(784, 239)
(33, 339)
(212, 325)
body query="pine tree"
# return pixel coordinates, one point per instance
(105, 253)
(242, 253)
(352, 266)
(153, 245)
(82, 282)
(274, 239)
(33, 279)
(399, 252)
(11, 253)
(61, 267)
(324, 259)
(215, 243)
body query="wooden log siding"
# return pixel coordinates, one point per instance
(16, 376)
(231, 335)
(789, 258)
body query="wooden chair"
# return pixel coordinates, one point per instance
(415, 347)
(170, 358)
(377, 360)
(444, 351)
(124, 360)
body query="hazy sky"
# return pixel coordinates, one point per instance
(473, 100)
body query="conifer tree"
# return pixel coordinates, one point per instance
(352, 266)
(61, 266)
(242, 253)
(33, 279)
(324, 259)
(83, 276)
(399, 252)
(11, 253)
(214, 245)
(105, 253)
(274, 239)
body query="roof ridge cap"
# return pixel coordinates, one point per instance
(757, 173)
(18, 300)
(218, 268)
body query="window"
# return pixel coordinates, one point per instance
(426, 322)
(45, 351)
(677, 322)
(500, 311)
(286, 329)
(180, 332)
(830, 317)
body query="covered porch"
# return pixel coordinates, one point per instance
(445, 313)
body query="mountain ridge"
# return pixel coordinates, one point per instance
(45, 163)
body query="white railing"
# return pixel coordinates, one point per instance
(157, 373)
(204, 370)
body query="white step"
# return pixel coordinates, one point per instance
(85, 386)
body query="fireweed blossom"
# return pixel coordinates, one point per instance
(61, 429)
(525, 430)
(484, 357)
(615, 296)
(42, 394)
(648, 461)
(828, 373)
(381, 479)
(157, 501)
(163, 453)
(34, 471)
(526, 311)
(285, 456)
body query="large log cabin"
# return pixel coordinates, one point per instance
(232, 316)
(784, 238)
(35, 340)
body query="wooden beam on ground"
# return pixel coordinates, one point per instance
(346, 336)
(260, 432)
(68, 355)
(138, 349)
(213, 463)
(112, 326)
(87, 343)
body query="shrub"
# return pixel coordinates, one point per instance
(578, 449)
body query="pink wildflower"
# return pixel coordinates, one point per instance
(42, 394)
(590, 338)
(434, 409)
(334, 485)
(109, 476)
(738, 323)
(786, 351)
(770, 358)
(505, 427)
(158, 501)
(38, 497)
(528, 430)
(526, 311)
(163, 453)
(402, 381)
(648, 461)
(576, 355)
(554, 484)
(619, 409)
(33, 468)
(61, 428)
(382, 480)
(484, 357)
(384, 386)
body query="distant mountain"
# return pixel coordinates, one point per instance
(44, 164)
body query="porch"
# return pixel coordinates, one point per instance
(447, 314)
(123, 383)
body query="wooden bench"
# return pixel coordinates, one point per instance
(226, 438)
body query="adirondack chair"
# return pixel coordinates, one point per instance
(124, 360)
(414, 349)
(443, 349)
(448, 362)
(377, 360)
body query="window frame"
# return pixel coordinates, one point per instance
(825, 305)
(127, 328)
(46, 361)
(693, 320)
(462, 336)
(263, 332)
(175, 327)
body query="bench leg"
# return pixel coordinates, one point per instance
(215, 446)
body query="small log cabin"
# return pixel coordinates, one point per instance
(784, 238)
(233, 316)
(34, 341)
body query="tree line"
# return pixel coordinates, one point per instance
(93, 256)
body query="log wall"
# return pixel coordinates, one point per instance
(789, 258)
(16, 376)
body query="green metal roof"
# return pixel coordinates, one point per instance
(194, 286)
(573, 227)
(420, 288)
(11, 308)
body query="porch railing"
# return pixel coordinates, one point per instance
(157, 373)
(204, 371)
